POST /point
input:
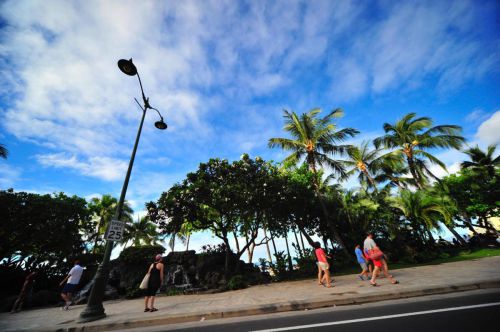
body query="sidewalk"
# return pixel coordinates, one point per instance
(276, 297)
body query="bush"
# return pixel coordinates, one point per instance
(236, 282)
(140, 255)
(279, 269)
(133, 292)
(306, 263)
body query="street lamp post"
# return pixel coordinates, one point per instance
(94, 309)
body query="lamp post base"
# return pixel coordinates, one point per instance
(91, 313)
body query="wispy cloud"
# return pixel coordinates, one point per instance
(100, 167)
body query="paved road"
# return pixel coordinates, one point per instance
(466, 311)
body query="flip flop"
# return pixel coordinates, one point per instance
(153, 309)
(395, 282)
(146, 309)
(373, 284)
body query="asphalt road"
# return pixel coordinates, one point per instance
(467, 311)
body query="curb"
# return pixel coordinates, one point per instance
(277, 307)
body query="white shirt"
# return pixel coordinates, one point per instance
(369, 244)
(75, 274)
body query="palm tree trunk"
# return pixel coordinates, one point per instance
(297, 241)
(370, 179)
(290, 264)
(237, 243)
(274, 245)
(456, 235)
(97, 235)
(302, 242)
(187, 242)
(411, 165)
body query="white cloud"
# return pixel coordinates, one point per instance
(489, 130)
(100, 167)
(9, 175)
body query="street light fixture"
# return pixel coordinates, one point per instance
(94, 309)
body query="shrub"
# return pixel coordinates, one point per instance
(236, 282)
(140, 255)
(133, 292)
(279, 269)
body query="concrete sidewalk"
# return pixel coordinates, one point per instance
(276, 297)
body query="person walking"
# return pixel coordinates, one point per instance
(73, 279)
(362, 262)
(155, 281)
(26, 292)
(323, 266)
(376, 256)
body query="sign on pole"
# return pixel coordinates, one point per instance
(115, 230)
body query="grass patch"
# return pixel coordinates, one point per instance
(463, 255)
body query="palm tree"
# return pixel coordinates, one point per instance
(315, 140)
(142, 232)
(102, 211)
(481, 160)
(368, 162)
(3, 151)
(412, 137)
(424, 210)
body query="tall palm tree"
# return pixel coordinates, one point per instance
(3, 151)
(315, 140)
(482, 160)
(103, 210)
(142, 232)
(411, 137)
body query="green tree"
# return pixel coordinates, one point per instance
(411, 138)
(423, 211)
(220, 197)
(102, 210)
(25, 221)
(316, 140)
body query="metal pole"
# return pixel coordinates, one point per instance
(94, 309)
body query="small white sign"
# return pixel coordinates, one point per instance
(115, 230)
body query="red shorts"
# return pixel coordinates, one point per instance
(377, 262)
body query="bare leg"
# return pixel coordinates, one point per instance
(386, 269)
(152, 302)
(146, 302)
(326, 278)
(320, 274)
(374, 275)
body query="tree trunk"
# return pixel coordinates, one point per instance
(302, 242)
(237, 243)
(290, 264)
(456, 235)
(267, 247)
(325, 210)
(187, 242)
(468, 222)
(97, 235)
(411, 165)
(297, 241)
(274, 245)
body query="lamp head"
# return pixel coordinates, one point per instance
(161, 125)
(127, 67)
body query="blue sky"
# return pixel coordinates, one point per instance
(221, 72)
